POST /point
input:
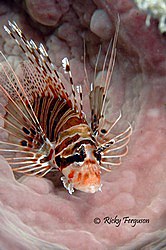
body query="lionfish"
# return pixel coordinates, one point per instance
(47, 129)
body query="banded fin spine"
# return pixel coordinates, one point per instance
(98, 93)
(39, 58)
(112, 137)
(22, 137)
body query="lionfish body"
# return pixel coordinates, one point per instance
(47, 130)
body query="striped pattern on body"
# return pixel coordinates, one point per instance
(64, 127)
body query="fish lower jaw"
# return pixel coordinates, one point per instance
(67, 185)
(87, 189)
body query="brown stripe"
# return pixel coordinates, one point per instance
(82, 129)
(61, 110)
(63, 120)
(68, 141)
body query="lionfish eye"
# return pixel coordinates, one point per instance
(80, 154)
(112, 141)
(97, 155)
(103, 131)
(78, 157)
(81, 151)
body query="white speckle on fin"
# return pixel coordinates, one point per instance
(65, 63)
(42, 50)
(33, 44)
(6, 29)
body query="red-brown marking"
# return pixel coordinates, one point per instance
(50, 154)
(79, 177)
(86, 176)
(71, 175)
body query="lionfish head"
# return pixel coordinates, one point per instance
(84, 176)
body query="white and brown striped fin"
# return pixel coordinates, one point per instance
(39, 63)
(98, 93)
(96, 99)
(113, 138)
(23, 142)
(66, 67)
(47, 80)
(76, 90)
(15, 93)
(80, 93)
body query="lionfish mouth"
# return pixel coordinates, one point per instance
(85, 177)
(87, 189)
(90, 189)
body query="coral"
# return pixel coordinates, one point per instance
(155, 9)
